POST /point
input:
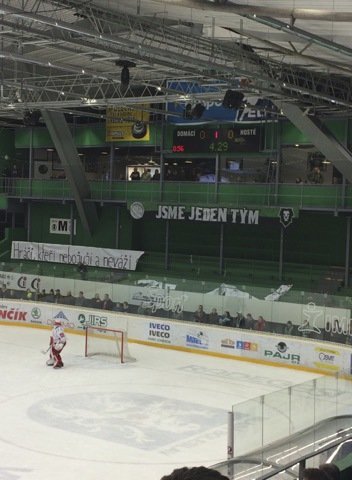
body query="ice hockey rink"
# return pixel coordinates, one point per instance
(98, 419)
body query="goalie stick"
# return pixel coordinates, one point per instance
(44, 352)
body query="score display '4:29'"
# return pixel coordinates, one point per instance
(219, 147)
(216, 140)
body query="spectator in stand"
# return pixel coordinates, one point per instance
(200, 315)
(28, 295)
(107, 304)
(336, 332)
(239, 320)
(314, 474)
(305, 329)
(327, 332)
(4, 291)
(96, 301)
(249, 322)
(69, 299)
(12, 295)
(118, 307)
(42, 295)
(36, 295)
(135, 175)
(194, 473)
(260, 324)
(58, 296)
(51, 297)
(331, 470)
(156, 176)
(81, 301)
(288, 329)
(225, 319)
(126, 307)
(213, 317)
(349, 335)
(146, 176)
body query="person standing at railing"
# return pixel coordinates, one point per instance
(146, 175)
(135, 175)
(288, 329)
(200, 315)
(107, 303)
(260, 325)
(81, 301)
(213, 317)
(249, 322)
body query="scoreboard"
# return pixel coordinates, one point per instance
(217, 140)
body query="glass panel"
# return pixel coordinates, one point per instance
(248, 426)
(276, 421)
(302, 406)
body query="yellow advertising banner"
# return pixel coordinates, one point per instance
(124, 124)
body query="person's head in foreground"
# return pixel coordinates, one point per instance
(314, 474)
(331, 470)
(195, 473)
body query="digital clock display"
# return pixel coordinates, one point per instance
(216, 140)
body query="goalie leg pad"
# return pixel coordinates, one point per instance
(50, 362)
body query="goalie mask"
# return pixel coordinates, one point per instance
(57, 322)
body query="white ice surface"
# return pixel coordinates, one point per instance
(96, 419)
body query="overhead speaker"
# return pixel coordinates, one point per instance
(187, 113)
(197, 111)
(125, 76)
(232, 99)
(31, 118)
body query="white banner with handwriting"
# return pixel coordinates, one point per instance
(75, 254)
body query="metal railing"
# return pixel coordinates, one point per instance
(273, 436)
(329, 197)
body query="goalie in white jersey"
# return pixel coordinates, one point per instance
(57, 344)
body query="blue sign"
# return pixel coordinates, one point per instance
(257, 108)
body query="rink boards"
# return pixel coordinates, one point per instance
(265, 348)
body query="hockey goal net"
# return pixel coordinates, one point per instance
(107, 341)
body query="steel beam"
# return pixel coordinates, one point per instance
(66, 149)
(319, 136)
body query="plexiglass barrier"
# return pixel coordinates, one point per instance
(309, 423)
(278, 415)
(284, 310)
